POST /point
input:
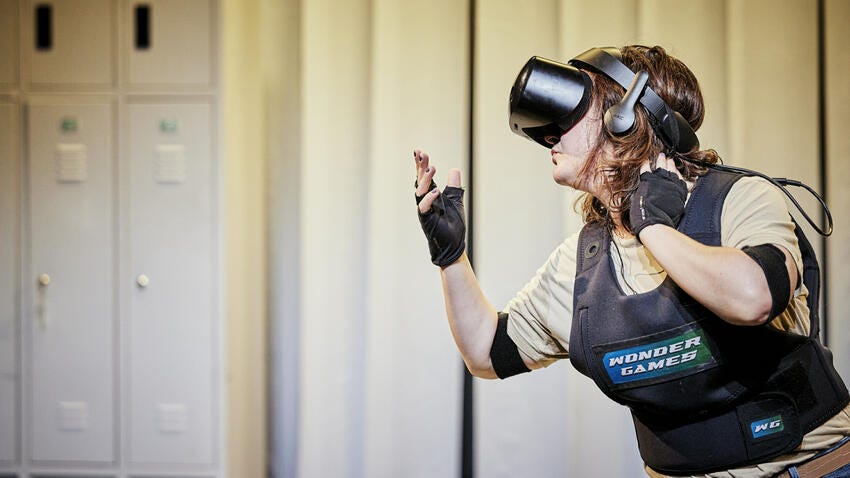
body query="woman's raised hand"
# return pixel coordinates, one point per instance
(443, 221)
(425, 180)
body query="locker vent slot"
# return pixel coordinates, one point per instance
(143, 27)
(43, 27)
(171, 418)
(170, 164)
(71, 163)
(73, 416)
(73, 476)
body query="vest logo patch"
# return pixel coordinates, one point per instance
(658, 359)
(768, 426)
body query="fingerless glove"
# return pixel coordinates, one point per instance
(659, 199)
(444, 225)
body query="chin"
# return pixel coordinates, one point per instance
(561, 180)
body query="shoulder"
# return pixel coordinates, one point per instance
(564, 256)
(754, 213)
(755, 190)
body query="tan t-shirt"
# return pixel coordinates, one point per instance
(754, 213)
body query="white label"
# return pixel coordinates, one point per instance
(71, 163)
(170, 164)
(171, 418)
(73, 416)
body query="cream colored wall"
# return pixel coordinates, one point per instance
(837, 17)
(246, 250)
(326, 99)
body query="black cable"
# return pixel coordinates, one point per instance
(780, 183)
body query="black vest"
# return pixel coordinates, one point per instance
(705, 395)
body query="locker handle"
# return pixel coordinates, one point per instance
(43, 27)
(42, 315)
(44, 280)
(143, 27)
(143, 281)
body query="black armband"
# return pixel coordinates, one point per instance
(772, 262)
(504, 354)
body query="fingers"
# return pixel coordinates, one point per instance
(662, 162)
(669, 164)
(454, 178)
(425, 204)
(424, 172)
(424, 180)
(424, 176)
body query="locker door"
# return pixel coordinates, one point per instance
(71, 323)
(8, 42)
(170, 43)
(9, 179)
(172, 324)
(69, 41)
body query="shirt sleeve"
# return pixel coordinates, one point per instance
(540, 315)
(755, 213)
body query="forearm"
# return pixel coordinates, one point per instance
(472, 318)
(723, 279)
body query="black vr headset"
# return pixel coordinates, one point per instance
(548, 98)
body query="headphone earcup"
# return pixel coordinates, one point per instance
(620, 118)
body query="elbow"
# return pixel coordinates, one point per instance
(480, 369)
(753, 307)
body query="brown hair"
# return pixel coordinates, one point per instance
(678, 87)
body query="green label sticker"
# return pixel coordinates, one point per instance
(168, 125)
(69, 124)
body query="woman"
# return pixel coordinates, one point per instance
(685, 297)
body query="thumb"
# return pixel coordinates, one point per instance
(428, 200)
(454, 178)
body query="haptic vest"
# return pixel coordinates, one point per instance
(705, 395)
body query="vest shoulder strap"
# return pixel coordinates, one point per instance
(705, 206)
(592, 245)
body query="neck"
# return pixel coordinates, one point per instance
(618, 229)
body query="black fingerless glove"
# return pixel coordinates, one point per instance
(444, 225)
(659, 199)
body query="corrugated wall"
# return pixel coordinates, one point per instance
(374, 389)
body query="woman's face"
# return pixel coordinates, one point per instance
(571, 152)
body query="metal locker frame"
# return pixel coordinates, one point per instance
(136, 279)
(10, 173)
(58, 67)
(120, 92)
(187, 60)
(55, 429)
(9, 64)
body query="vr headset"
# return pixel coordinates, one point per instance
(548, 98)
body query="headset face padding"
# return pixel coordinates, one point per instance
(548, 98)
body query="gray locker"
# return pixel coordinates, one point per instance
(171, 43)
(69, 42)
(8, 283)
(172, 324)
(70, 282)
(8, 42)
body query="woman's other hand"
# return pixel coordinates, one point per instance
(443, 222)
(660, 196)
